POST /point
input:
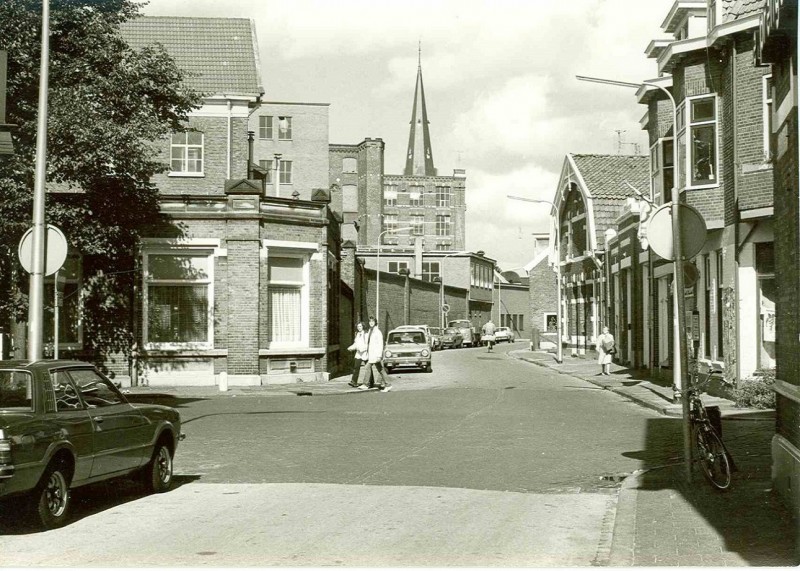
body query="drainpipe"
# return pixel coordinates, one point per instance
(250, 136)
(738, 369)
(230, 137)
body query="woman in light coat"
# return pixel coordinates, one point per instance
(361, 352)
(605, 349)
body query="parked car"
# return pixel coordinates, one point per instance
(452, 338)
(468, 334)
(504, 334)
(407, 348)
(436, 335)
(64, 425)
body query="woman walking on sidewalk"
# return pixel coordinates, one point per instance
(361, 352)
(605, 349)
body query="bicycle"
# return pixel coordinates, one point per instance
(710, 450)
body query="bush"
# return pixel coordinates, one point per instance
(756, 391)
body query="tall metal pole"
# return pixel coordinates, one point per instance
(36, 288)
(680, 349)
(378, 274)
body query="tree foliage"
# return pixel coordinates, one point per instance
(108, 104)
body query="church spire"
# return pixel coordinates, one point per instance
(419, 159)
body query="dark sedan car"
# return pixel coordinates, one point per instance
(452, 337)
(65, 425)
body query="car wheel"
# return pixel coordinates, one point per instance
(52, 498)
(428, 368)
(157, 475)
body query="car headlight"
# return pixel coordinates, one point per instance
(425, 353)
(387, 354)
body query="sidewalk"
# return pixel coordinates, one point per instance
(661, 519)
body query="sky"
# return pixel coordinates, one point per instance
(499, 75)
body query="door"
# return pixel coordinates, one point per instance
(664, 322)
(72, 421)
(121, 433)
(767, 293)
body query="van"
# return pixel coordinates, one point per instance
(465, 328)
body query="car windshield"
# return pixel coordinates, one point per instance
(435, 331)
(450, 331)
(406, 337)
(16, 390)
(463, 324)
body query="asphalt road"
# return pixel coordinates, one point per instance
(486, 461)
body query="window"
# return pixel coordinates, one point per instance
(68, 301)
(95, 391)
(442, 225)
(443, 195)
(186, 153)
(697, 129)
(16, 390)
(178, 295)
(417, 225)
(66, 397)
(349, 165)
(662, 171)
(430, 271)
(284, 128)
(265, 127)
(767, 96)
(415, 195)
(286, 299)
(395, 267)
(551, 322)
(269, 166)
(389, 223)
(390, 195)
(286, 172)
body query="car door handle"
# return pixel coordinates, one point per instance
(98, 419)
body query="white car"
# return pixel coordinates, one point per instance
(503, 334)
(423, 328)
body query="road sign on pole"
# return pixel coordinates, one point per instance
(55, 253)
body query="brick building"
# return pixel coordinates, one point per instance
(432, 205)
(592, 193)
(231, 285)
(543, 294)
(776, 45)
(723, 171)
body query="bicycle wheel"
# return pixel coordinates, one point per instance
(712, 458)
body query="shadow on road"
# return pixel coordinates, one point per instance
(256, 413)
(165, 399)
(86, 501)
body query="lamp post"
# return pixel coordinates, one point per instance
(378, 273)
(679, 347)
(557, 251)
(499, 302)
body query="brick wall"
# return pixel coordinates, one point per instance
(215, 152)
(243, 287)
(543, 294)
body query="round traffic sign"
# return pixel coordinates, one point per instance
(693, 231)
(445, 308)
(55, 250)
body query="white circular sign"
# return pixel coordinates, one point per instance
(693, 231)
(55, 250)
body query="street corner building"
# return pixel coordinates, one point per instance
(244, 281)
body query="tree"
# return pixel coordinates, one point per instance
(108, 104)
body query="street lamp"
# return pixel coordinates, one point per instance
(679, 347)
(557, 251)
(378, 273)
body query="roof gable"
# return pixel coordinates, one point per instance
(219, 55)
(605, 175)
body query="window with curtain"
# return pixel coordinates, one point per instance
(284, 128)
(286, 311)
(178, 294)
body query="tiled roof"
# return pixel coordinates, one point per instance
(219, 55)
(735, 9)
(605, 175)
